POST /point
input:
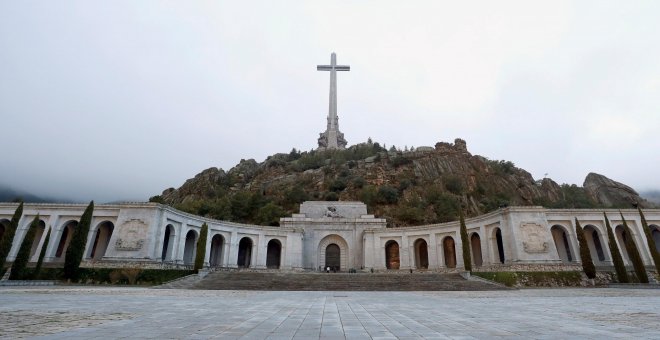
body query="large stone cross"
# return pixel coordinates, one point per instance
(332, 138)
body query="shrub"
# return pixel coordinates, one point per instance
(587, 263)
(454, 185)
(465, 243)
(331, 196)
(337, 185)
(387, 195)
(19, 268)
(74, 253)
(621, 274)
(201, 247)
(270, 214)
(633, 253)
(42, 254)
(650, 242)
(8, 236)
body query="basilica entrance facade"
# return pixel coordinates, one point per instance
(333, 253)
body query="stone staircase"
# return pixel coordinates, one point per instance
(223, 280)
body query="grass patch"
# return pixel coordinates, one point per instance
(122, 276)
(534, 279)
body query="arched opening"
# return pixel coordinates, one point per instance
(421, 254)
(594, 243)
(499, 245)
(4, 224)
(392, 255)
(273, 254)
(168, 243)
(65, 239)
(101, 240)
(655, 234)
(621, 238)
(333, 257)
(475, 244)
(560, 236)
(217, 243)
(41, 228)
(190, 248)
(449, 249)
(244, 252)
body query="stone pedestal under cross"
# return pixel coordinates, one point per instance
(332, 138)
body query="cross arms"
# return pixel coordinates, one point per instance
(330, 68)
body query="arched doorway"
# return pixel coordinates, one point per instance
(101, 240)
(449, 250)
(621, 238)
(655, 234)
(560, 236)
(273, 254)
(41, 229)
(475, 244)
(392, 255)
(190, 248)
(499, 245)
(421, 254)
(65, 237)
(322, 251)
(333, 257)
(594, 243)
(244, 252)
(168, 243)
(217, 243)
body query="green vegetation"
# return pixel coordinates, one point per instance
(118, 275)
(201, 247)
(650, 242)
(534, 279)
(8, 236)
(621, 273)
(76, 249)
(42, 254)
(633, 253)
(587, 263)
(19, 268)
(465, 242)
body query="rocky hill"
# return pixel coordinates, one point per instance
(425, 185)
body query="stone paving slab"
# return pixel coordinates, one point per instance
(142, 313)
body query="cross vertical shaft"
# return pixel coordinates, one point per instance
(332, 138)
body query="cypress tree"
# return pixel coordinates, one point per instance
(8, 236)
(620, 268)
(650, 242)
(201, 247)
(19, 268)
(587, 263)
(74, 253)
(467, 259)
(633, 253)
(42, 254)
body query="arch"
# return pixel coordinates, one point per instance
(4, 224)
(65, 238)
(244, 252)
(39, 233)
(475, 244)
(392, 260)
(499, 244)
(273, 254)
(421, 254)
(217, 245)
(594, 243)
(102, 237)
(190, 248)
(560, 236)
(449, 250)
(343, 251)
(655, 234)
(621, 238)
(168, 243)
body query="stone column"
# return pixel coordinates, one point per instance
(261, 252)
(53, 222)
(433, 251)
(404, 253)
(207, 253)
(232, 261)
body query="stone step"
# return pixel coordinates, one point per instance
(338, 281)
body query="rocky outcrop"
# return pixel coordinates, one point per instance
(611, 193)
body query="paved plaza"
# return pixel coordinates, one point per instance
(99, 312)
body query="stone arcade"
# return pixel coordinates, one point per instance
(340, 235)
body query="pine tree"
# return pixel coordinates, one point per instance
(201, 247)
(76, 249)
(633, 253)
(620, 268)
(8, 236)
(650, 242)
(587, 263)
(467, 259)
(42, 254)
(19, 268)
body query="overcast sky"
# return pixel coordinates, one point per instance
(122, 99)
